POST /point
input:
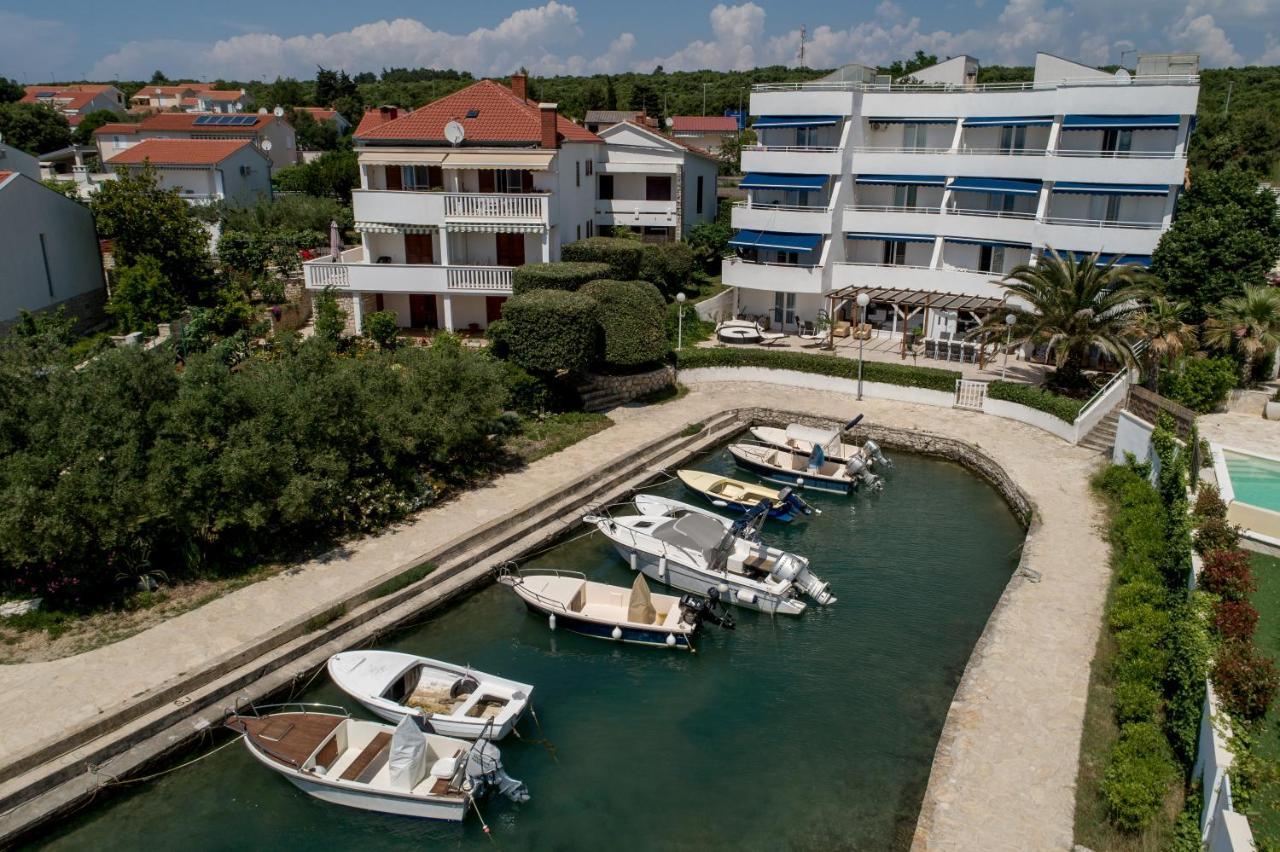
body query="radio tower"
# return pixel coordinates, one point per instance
(802, 40)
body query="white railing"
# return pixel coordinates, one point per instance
(1018, 152)
(1102, 223)
(888, 265)
(491, 278)
(327, 273)
(970, 394)
(494, 206)
(852, 86)
(890, 208)
(733, 261)
(1101, 404)
(885, 149)
(800, 149)
(1004, 152)
(1116, 155)
(632, 206)
(795, 208)
(994, 214)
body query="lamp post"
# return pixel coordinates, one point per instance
(863, 301)
(1009, 320)
(680, 297)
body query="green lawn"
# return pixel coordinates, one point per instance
(1265, 821)
(552, 433)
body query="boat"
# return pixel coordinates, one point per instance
(695, 550)
(454, 701)
(784, 505)
(635, 616)
(813, 471)
(800, 439)
(374, 766)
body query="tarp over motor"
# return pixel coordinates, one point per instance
(407, 763)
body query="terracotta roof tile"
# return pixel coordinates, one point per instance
(489, 111)
(318, 113)
(179, 152)
(187, 121)
(222, 95)
(116, 127)
(704, 124)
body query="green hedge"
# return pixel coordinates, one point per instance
(622, 255)
(561, 275)
(1201, 384)
(667, 266)
(1138, 775)
(1061, 407)
(823, 365)
(548, 331)
(631, 320)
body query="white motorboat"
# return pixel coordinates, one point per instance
(692, 549)
(812, 472)
(454, 701)
(373, 766)
(800, 439)
(634, 615)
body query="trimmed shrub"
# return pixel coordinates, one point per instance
(1138, 775)
(561, 275)
(1216, 534)
(1136, 702)
(1245, 680)
(528, 393)
(904, 375)
(1189, 648)
(1234, 620)
(1201, 384)
(1227, 574)
(667, 266)
(549, 331)
(631, 319)
(622, 255)
(381, 328)
(1209, 502)
(1061, 407)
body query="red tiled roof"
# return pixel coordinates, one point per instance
(500, 116)
(66, 98)
(318, 113)
(222, 95)
(704, 124)
(187, 121)
(179, 152)
(4, 176)
(117, 127)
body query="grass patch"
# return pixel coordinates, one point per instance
(551, 433)
(661, 395)
(691, 430)
(1265, 807)
(906, 375)
(400, 581)
(1062, 407)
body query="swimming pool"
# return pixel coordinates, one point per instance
(1250, 486)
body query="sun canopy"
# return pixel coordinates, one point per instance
(920, 180)
(795, 121)
(900, 119)
(698, 533)
(1111, 188)
(997, 186)
(775, 240)
(1143, 260)
(1127, 122)
(993, 243)
(761, 180)
(1008, 121)
(893, 238)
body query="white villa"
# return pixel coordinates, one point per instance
(455, 195)
(203, 171)
(921, 193)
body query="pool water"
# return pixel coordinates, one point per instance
(1255, 480)
(814, 732)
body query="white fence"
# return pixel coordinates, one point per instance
(495, 206)
(718, 307)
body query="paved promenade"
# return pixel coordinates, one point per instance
(1004, 776)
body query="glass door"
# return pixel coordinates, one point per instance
(784, 309)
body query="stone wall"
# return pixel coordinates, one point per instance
(600, 392)
(346, 303)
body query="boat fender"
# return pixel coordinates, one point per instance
(723, 588)
(632, 559)
(551, 621)
(662, 569)
(671, 640)
(746, 596)
(617, 633)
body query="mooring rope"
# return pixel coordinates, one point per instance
(112, 781)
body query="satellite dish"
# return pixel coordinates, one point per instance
(1122, 76)
(455, 132)
(262, 110)
(266, 144)
(278, 111)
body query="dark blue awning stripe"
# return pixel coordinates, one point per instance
(1131, 122)
(761, 180)
(1008, 121)
(993, 243)
(1110, 188)
(901, 119)
(796, 120)
(997, 186)
(892, 238)
(922, 180)
(1143, 260)
(775, 240)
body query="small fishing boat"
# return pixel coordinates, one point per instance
(454, 701)
(569, 600)
(695, 550)
(812, 471)
(374, 766)
(723, 492)
(800, 439)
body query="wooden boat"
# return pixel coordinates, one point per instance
(373, 766)
(800, 439)
(632, 615)
(451, 700)
(723, 492)
(788, 468)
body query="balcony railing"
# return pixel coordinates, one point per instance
(495, 206)
(889, 149)
(890, 208)
(799, 149)
(796, 208)
(404, 277)
(1019, 152)
(853, 86)
(493, 278)
(1004, 214)
(1102, 223)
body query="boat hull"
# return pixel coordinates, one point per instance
(778, 438)
(655, 636)
(687, 579)
(812, 482)
(450, 727)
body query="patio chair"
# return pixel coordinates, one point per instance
(930, 348)
(768, 338)
(957, 351)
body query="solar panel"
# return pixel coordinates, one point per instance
(473, 113)
(248, 119)
(203, 119)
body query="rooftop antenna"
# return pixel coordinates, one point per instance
(803, 34)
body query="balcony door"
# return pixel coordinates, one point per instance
(418, 249)
(784, 309)
(657, 188)
(395, 180)
(493, 308)
(1013, 139)
(422, 311)
(510, 249)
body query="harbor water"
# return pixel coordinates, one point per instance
(814, 732)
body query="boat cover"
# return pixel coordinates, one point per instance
(641, 609)
(696, 532)
(822, 437)
(407, 762)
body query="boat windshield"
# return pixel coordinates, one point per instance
(698, 533)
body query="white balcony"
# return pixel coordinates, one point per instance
(979, 225)
(398, 207)
(350, 273)
(636, 213)
(776, 277)
(958, 282)
(785, 100)
(443, 208)
(794, 220)
(1097, 235)
(483, 207)
(791, 160)
(1090, 167)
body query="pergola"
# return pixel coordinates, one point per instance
(907, 303)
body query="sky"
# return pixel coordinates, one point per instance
(263, 39)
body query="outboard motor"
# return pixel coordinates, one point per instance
(792, 569)
(872, 451)
(484, 769)
(858, 469)
(793, 501)
(695, 610)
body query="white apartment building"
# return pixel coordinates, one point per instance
(456, 194)
(923, 194)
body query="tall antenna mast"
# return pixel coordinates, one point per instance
(803, 32)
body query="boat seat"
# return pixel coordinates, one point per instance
(370, 758)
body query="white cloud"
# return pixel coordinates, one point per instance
(1200, 33)
(1270, 56)
(736, 30)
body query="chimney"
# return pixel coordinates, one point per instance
(547, 123)
(519, 86)
(388, 112)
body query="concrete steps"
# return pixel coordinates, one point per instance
(1103, 436)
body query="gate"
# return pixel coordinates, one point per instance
(970, 394)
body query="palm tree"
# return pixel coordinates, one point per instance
(1073, 305)
(1168, 337)
(1249, 323)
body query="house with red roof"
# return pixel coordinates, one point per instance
(269, 132)
(151, 98)
(456, 194)
(50, 252)
(218, 100)
(707, 132)
(324, 114)
(76, 101)
(203, 171)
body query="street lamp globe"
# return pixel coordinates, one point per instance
(863, 300)
(680, 297)
(1010, 319)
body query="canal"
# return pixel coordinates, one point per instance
(814, 732)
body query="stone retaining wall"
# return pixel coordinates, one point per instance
(627, 388)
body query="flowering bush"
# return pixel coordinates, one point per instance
(1245, 680)
(1234, 620)
(1209, 503)
(1216, 534)
(1227, 574)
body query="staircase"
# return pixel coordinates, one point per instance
(1103, 436)
(597, 397)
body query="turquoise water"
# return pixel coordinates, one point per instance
(814, 732)
(1256, 481)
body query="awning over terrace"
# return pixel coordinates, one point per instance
(775, 240)
(761, 180)
(1008, 121)
(968, 241)
(892, 238)
(1143, 260)
(1123, 122)
(921, 299)
(1111, 188)
(795, 121)
(537, 161)
(997, 186)
(906, 119)
(918, 180)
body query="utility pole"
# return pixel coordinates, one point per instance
(1226, 111)
(803, 33)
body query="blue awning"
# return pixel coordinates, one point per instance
(893, 238)
(997, 186)
(907, 119)
(1111, 188)
(1128, 122)
(1143, 260)
(993, 243)
(776, 240)
(795, 121)
(1008, 121)
(761, 180)
(921, 180)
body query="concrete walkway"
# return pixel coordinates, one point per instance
(1005, 770)
(1242, 431)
